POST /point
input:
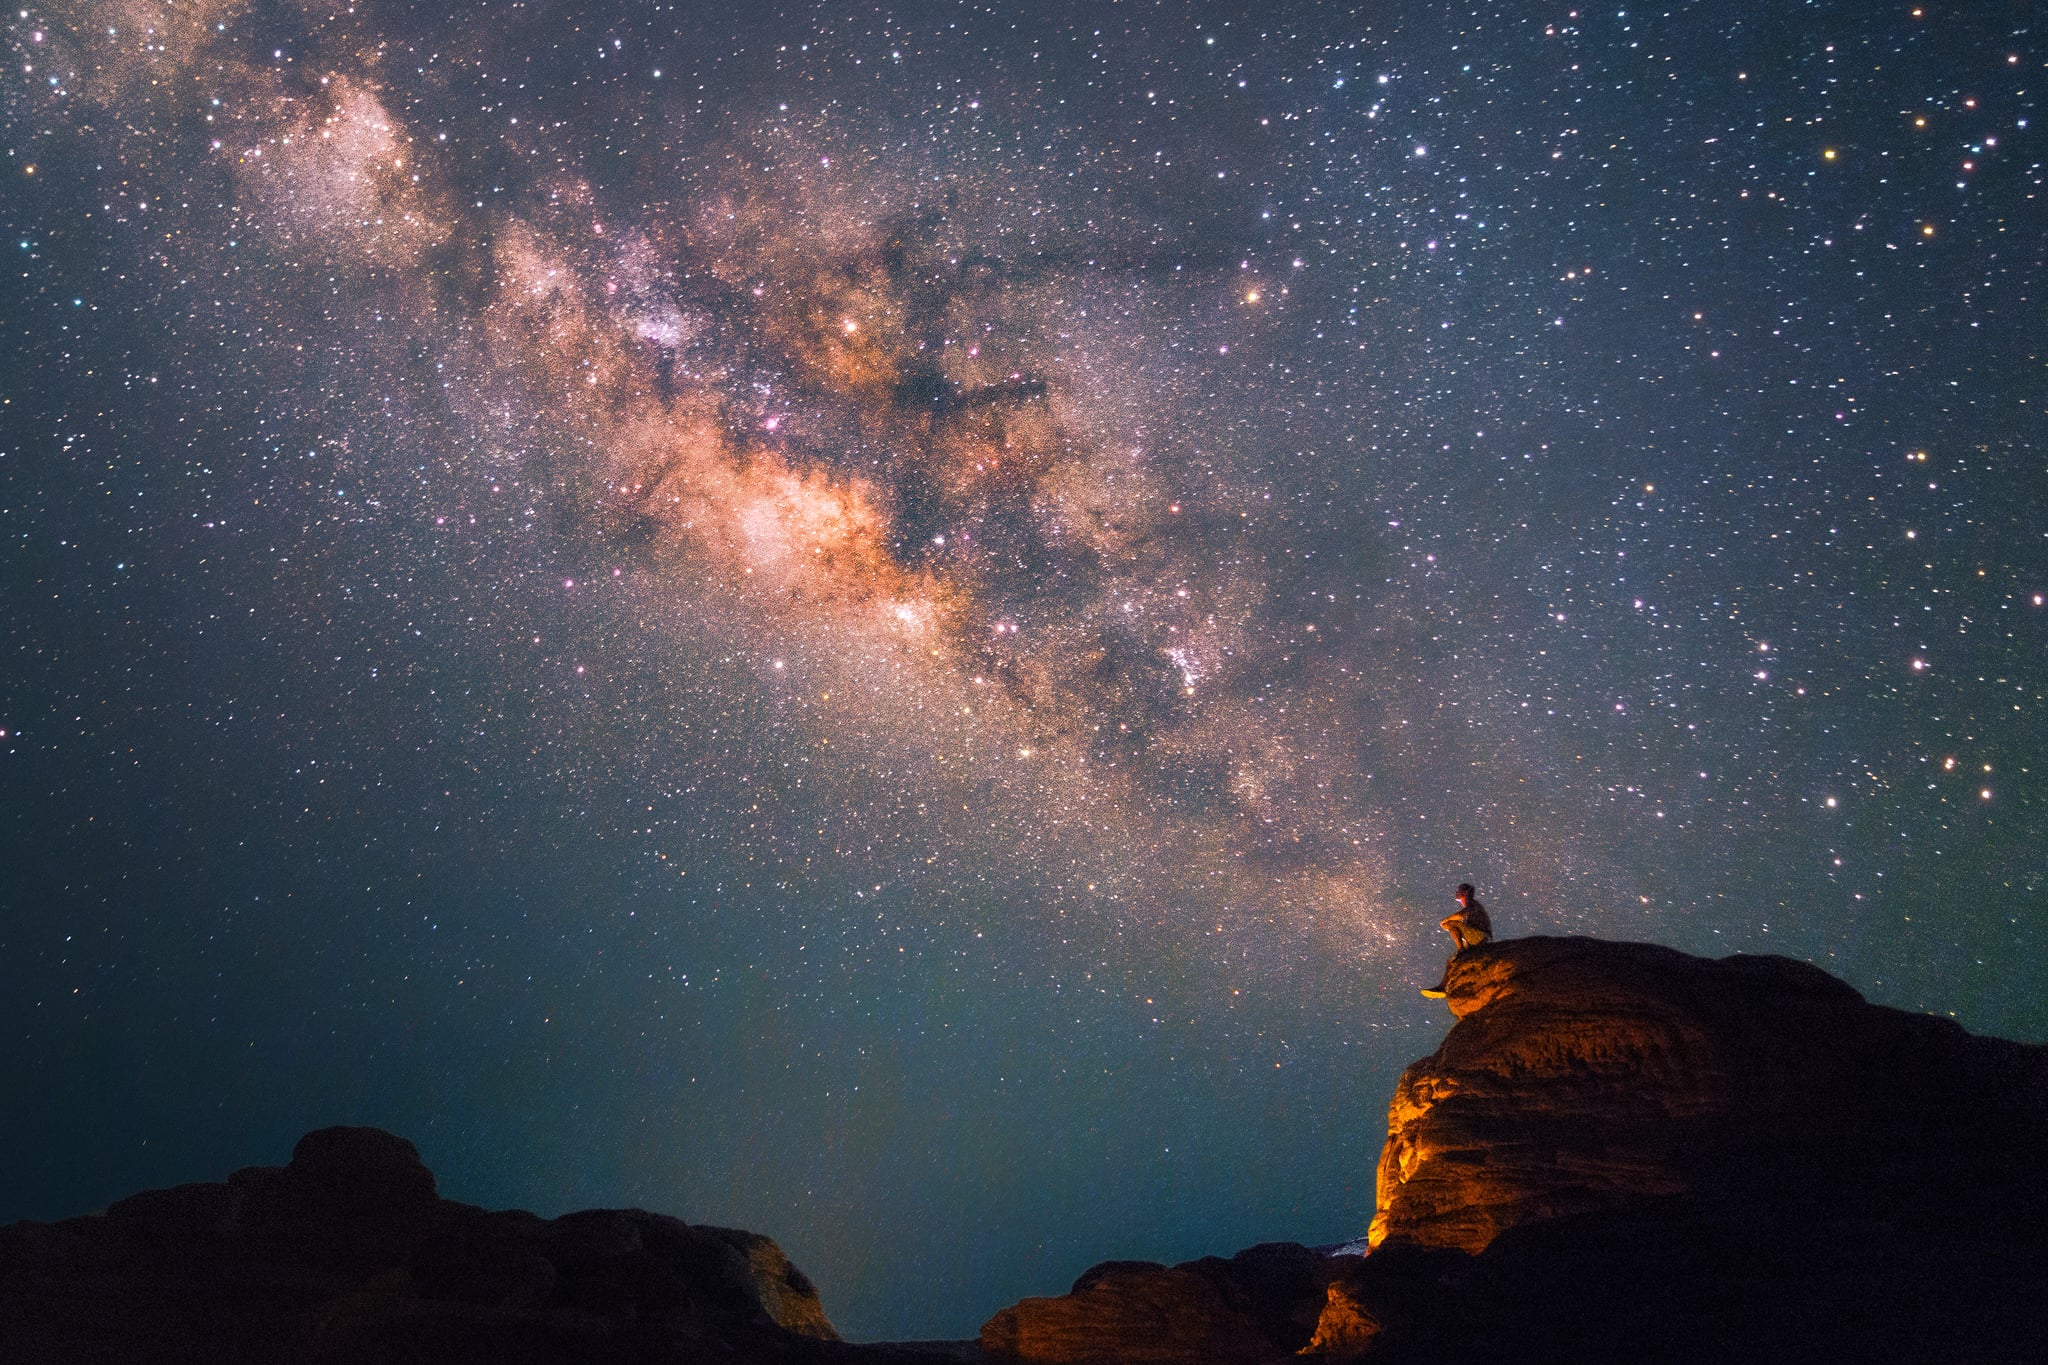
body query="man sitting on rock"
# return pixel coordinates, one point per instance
(1468, 926)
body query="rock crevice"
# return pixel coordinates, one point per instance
(1584, 1075)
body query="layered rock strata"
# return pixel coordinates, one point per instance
(1586, 1075)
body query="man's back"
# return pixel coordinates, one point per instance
(1474, 916)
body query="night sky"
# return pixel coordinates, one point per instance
(892, 624)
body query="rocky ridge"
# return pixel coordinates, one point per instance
(1624, 1151)
(348, 1254)
(1619, 1151)
(1584, 1075)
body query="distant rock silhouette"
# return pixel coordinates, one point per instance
(347, 1254)
(1625, 1152)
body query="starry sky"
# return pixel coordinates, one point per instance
(892, 623)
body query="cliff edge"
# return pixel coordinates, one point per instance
(1622, 1151)
(1585, 1075)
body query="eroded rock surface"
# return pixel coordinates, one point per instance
(1622, 1152)
(1260, 1305)
(348, 1254)
(1586, 1075)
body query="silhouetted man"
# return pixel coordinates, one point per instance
(1468, 926)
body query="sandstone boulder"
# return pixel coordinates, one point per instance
(1130, 1313)
(1585, 1075)
(1259, 1305)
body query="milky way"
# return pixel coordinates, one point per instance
(893, 625)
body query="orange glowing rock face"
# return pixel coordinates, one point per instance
(1347, 1326)
(1573, 1081)
(1585, 1076)
(1256, 1307)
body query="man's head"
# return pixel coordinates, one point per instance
(1466, 893)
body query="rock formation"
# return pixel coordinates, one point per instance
(347, 1254)
(1625, 1152)
(1585, 1075)
(1619, 1152)
(1260, 1305)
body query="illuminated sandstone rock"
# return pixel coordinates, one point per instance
(1347, 1327)
(1622, 1152)
(1140, 1313)
(1258, 1306)
(1585, 1075)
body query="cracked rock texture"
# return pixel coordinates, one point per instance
(1585, 1075)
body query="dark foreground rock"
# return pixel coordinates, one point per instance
(1620, 1152)
(347, 1254)
(1259, 1305)
(1625, 1152)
